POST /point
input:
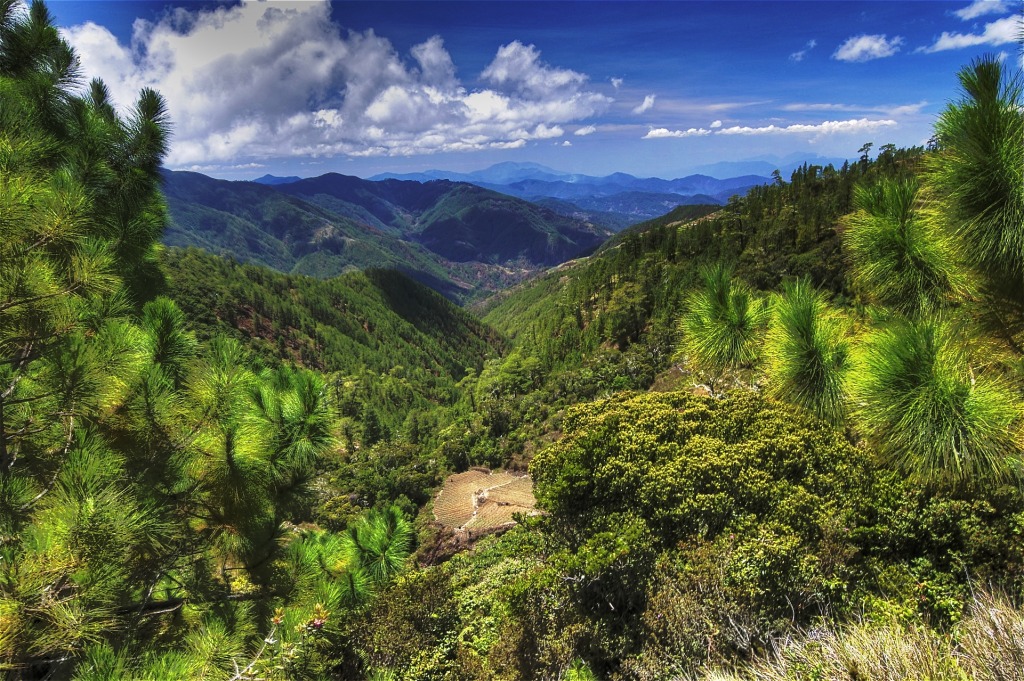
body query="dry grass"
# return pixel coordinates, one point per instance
(479, 500)
(988, 645)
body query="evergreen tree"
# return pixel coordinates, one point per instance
(145, 480)
(976, 178)
(807, 352)
(897, 255)
(722, 322)
(932, 408)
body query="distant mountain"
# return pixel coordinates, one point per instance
(275, 180)
(618, 199)
(619, 183)
(613, 221)
(765, 165)
(641, 206)
(533, 179)
(500, 173)
(457, 238)
(257, 223)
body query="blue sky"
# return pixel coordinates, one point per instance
(652, 89)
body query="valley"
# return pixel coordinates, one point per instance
(464, 235)
(505, 424)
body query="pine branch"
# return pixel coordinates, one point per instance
(35, 299)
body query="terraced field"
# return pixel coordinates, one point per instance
(478, 500)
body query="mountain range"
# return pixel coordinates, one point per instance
(766, 165)
(623, 198)
(458, 238)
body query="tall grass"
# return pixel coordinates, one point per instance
(988, 645)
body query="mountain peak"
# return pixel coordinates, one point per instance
(276, 180)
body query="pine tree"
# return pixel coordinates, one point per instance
(722, 323)
(976, 179)
(807, 352)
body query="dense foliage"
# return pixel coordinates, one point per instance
(395, 346)
(150, 484)
(685, 530)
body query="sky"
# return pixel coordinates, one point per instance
(648, 88)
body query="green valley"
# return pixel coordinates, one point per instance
(332, 428)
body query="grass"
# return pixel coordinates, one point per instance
(987, 645)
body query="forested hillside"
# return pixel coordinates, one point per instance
(777, 439)
(254, 223)
(459, 239)
(461, 222)
(397, 346)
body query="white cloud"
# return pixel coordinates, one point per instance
(818, 129)
(518, 144)
(658, 133)
(981, 7)
(263, 80)
(586, 130)
(543, 132)
(799, 56)
(617, 83)
(894, 110)
(715, 124)
(566, 143)
(999, 32)
(867, 47)
(645, 106)
(517, 68)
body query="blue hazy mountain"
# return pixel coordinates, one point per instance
(620, 199)
(273, 180)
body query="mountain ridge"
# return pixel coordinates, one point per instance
(457, 238)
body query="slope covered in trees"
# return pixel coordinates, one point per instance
(397, 346)
(459, 221)
(457, 238)
(255, 223)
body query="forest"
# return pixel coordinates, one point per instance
(776, 439)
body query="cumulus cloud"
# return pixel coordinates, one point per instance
(657, 133)
(617, 83)
(867, 47)
(715, 124)
(859, 125)
(999, 32)
(799, 56)
(566, 143)
(982, 7)
(644, 106)
(262, 80)
(586, 130)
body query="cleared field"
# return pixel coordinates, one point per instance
(480, 500)
(489, 516)
(455, 503)
(518, 492)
